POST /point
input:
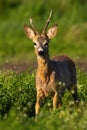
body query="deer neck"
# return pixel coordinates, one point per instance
(44, 68)
(43, 63)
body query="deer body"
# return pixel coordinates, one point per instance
(54, 75)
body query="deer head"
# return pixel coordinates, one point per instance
(41, 40)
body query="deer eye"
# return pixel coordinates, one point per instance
(46, 44)
(35, 44)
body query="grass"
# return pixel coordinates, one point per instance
(17, 100)
(68, 14)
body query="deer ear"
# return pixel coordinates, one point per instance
(52, 32)
(29, 32)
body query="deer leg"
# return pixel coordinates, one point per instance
(37, 106)
(40, 96)
(74, 93)
(57, 102)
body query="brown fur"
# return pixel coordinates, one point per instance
(54, 75)
(47, 79)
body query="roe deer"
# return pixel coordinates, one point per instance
(54, 75)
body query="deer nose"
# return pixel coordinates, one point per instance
(41, 52)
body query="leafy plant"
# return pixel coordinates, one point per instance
(17, 91)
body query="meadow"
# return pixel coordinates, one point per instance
(17, 90)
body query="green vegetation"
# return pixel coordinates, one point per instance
(17, 100)
(17, 91)
(68, 14)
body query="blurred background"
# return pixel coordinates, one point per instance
(71, 40)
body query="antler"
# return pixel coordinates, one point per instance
(31, 23)
(48, 21)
